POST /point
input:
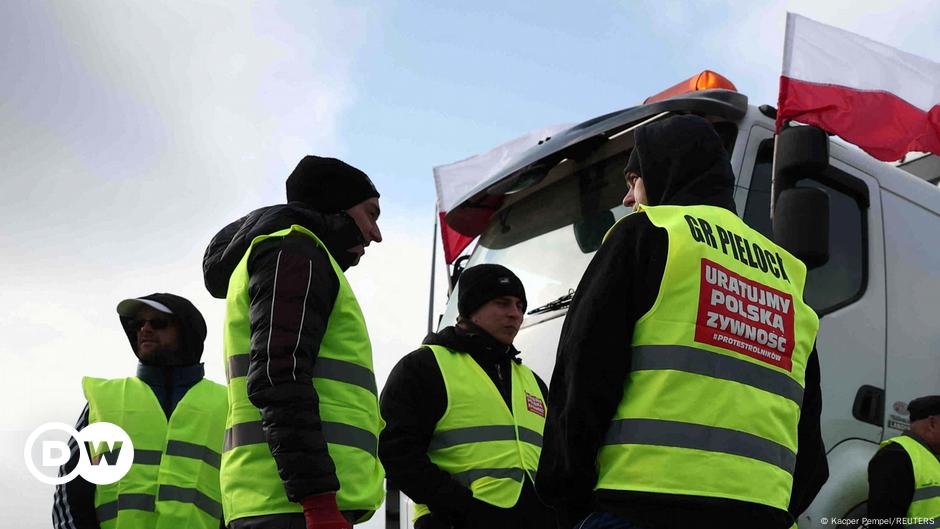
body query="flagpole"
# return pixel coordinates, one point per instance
(773, 175)
(433, 266)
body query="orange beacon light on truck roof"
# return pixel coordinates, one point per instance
(702, 81)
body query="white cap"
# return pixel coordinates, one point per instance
(130, 307)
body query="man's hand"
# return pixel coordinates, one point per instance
(321, 512)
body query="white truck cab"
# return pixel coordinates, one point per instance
(877, 296)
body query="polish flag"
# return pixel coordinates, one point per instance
(881, 99)
(454, 181)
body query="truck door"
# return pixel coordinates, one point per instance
(848, 294)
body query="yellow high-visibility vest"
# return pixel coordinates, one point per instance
(926, 500)
(712, 401)
(174, 480)
(479, 441)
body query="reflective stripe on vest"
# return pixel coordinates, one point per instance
(479, 434)
(349, 409)
(327, 368)
(717, 367)
(477, 427)
(926, 500)
(174, 480)
(147, 502)
(249, 433)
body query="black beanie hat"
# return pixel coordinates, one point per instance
(328, 185)
(482, 283)
(924, 407)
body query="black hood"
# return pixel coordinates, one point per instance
(683, 163)
(192, 328)
(338, 232)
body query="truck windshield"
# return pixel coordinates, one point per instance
(548, 237)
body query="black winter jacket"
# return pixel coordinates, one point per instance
(292, 287)
(413, 401)
(594, 354)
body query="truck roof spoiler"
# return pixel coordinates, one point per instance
(473, 214)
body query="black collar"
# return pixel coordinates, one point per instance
(186, 376)
(468, 337)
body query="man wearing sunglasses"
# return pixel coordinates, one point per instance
(301, 437)
(174, 416)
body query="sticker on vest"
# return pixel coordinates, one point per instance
(534, 404)
(744, 316)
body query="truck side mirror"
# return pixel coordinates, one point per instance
(801, 215)
(799, 152)
(801, 224)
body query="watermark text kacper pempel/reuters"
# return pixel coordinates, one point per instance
(113, 449)
(875, 522)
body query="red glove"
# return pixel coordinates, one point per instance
(321, 512)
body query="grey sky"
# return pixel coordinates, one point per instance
(131, 131)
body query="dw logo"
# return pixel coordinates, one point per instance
(112, 453)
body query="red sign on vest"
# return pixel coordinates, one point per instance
(744, 316)
(534, 404)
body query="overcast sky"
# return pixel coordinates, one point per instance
(131, 131)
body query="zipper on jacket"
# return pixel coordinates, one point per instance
(168, 405)
(499, 371)
(502, 381)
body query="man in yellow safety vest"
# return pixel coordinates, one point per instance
(686, 386)
(904, 475)
(465, 416)
(172, 414)
(301, 436)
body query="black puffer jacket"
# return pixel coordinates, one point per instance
(291, 282)
(413, 401)
(594, 354)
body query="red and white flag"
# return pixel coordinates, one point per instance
(453, 181)
(881, 99)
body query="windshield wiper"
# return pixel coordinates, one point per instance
(557, 304)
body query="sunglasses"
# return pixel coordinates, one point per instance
(156, 323)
